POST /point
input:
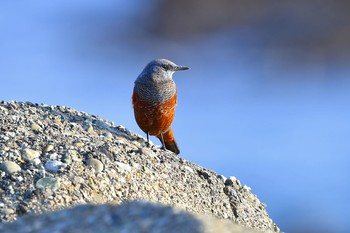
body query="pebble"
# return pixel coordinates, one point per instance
(221, 177)
(78, 144)
(96, 164)
(53, 156)
(10, 167)
(29, 154)
(108, 135)
(48, 148)
(53, 165)
(36, 161)
(70, 156)
(48, 183)
(10, 189)
(41, 170)
(8, 211)
(123, 166)
(247, 188)
(89, 128)
(189, 169)
(148, 152)
(35, 127)
(232, 181)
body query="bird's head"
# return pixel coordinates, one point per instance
(161, 69)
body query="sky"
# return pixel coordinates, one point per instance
(280, 124)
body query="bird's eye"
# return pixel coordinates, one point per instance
(165, 67)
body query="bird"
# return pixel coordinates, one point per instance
(154, 100)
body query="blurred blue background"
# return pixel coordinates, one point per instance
(266, 98)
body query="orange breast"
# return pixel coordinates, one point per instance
(154, 118)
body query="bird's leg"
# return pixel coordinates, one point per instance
(147, 135)
(162, 140)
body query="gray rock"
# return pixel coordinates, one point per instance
(124, 169)
(53, 165)
(29, 154)
(48, 183)
(232, 181)
(132, 217)
(123, 166)
(96, 164)
(35, 127)
(49, 148)
(10, 167)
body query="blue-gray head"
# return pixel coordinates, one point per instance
(159, 70)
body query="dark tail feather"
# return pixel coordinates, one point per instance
(172, 147)
(169, 142)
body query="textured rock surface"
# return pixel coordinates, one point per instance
(72, 158)
(133, 217)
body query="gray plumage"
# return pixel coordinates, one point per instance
(155, 84)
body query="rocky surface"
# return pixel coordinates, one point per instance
(133, 217)
(54, 157)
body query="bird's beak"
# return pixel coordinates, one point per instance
(177, 68)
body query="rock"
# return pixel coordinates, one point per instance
(79, 144)
(232, 181)
(123, 166)
(48, 183)
(53, 165)
(49, 148)
(36, 161)
(123, 169)
(96, 164)
(29, 154)
(135, 217)
(108, 135)
(189, 169)
(35, 127)
(10, 167)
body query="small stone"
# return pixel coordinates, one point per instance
(221, 177)
(70, 156)
(78, 144)
(35, 127)
(42, 170)
(78, 180)
(48, 183)
(96, 164)
(148, 152)
(53, 156)
(247, 188)
(124, 166)
(36, 161)
(48, 148)
(89, 128)
(189, 169)
(8, 211)
(232, 181)
(53, 165)
(58, 121)
(10, 167)
(29, 154)
(108, 135)
(10, 189)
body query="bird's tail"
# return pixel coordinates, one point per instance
(169, 141)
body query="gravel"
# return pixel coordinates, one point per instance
(67, 158)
